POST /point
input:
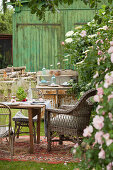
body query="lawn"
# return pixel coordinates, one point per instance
(6, 165)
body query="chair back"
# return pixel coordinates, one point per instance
(5, 120)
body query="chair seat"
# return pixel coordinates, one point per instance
(21, 118)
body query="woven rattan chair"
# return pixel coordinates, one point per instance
(68, 122)
(23, 121)
(6, 131)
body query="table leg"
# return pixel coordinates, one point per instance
(31, 130)
(38, 125)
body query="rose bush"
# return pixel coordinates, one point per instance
(95, 67)
(90, 50)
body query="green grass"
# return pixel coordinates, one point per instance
(6, 165)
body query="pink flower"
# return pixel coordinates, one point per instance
(99, 52)
(111, 43)
(101, 154)
(110, 96)
(109, 166)
(109, 142)
(100, 91)
(110, 116)
(87, 131)
(106, 136)
(98, 122)
(98, 137)
(97, 41)
(76, 145)
(110, 50)
(62, 43)
(97, 98)
(83, 33)
(98, 107)
(112, 57)
(101, 41)
(108, 80)
(103, 113)
(98, 33)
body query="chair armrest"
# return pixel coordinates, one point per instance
(66, 106)
(59, 111)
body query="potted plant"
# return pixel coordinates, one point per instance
(21, 94)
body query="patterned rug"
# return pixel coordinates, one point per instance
(58, 154)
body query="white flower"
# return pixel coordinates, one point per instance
(93, 35)
(96, 75)
(68, 40)
(75, 33)
(110, 21)
(85, 51)
(69, 33)
(80, 62)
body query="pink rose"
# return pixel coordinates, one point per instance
(98, 137)
(101, 154)
(111, 43)
(110, 96)
(106, 136)
(100, 91)
(98, 122)
(110, 50)
(87, 131)
(109, 142)
(110, 116)
(99, 52)
(62, 43)
(96, 98)
(109, 166)
(112, 57)
(98, 107)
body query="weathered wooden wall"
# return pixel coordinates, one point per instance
(36, 43)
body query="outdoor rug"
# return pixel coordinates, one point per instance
(58, 154)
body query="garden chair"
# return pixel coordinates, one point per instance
(68, 122)
(6, 131)
(23, 121)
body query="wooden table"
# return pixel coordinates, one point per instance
(33, 110)
(53, 88)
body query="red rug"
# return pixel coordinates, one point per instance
(58, 154)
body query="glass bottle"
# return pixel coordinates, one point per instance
(30, 97)
(43, 71)
(53, 80)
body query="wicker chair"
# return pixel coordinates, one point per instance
(6, 130)
(68, 122)
(23, 121)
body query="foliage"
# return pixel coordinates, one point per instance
(87, 49)
(96, 150)
(6, 22)
(41, 6)
(21, 94)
